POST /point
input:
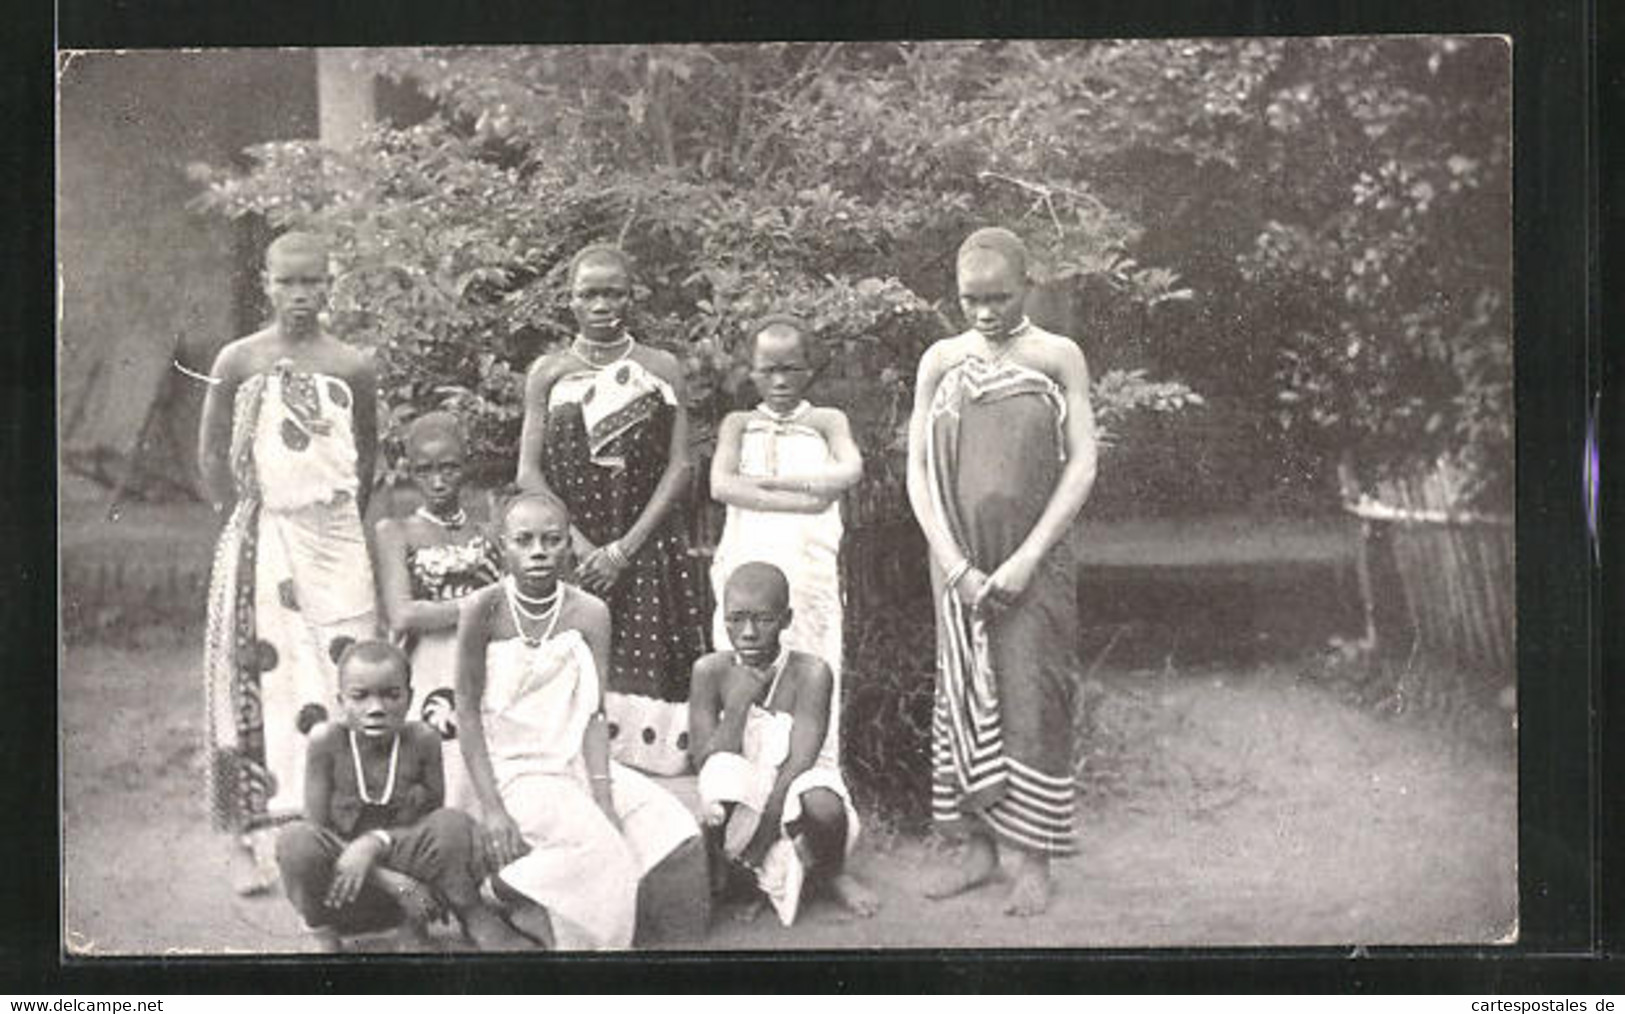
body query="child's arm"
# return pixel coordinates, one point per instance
(595, 741)
(322, 747)
(214, 427)
(713, 727)
(539, 381)
(810, 711)
(947, 553)
(501, 841)
(425, 744)
(729, 487)
(403, 611)
(1011, 577)
(844, 469)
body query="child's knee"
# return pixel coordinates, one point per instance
(299, 848)
(452, 830)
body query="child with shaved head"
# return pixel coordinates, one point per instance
(758, 719)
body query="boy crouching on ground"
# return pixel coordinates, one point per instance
(760, 718)
(377, 846)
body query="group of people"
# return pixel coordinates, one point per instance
(557, 654)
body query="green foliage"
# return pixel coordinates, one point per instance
(1316, 229)
(830, 179)
(1401, 347)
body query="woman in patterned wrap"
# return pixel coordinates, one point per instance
(287, 439)
(606, 431)
(1001, 459)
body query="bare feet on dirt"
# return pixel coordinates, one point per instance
(257, 873)
(533, 921)
(854, 894)
(979, 866)
(1030, 887)
(418, 909)
(490, 932)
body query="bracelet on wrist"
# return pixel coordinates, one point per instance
(958, 572)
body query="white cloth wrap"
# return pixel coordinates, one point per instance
(537, 703)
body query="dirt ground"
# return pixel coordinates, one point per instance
(1245, 806)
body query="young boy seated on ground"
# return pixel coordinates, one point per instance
(759, 716)
(377, 845)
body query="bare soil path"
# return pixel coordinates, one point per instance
(1245, 808)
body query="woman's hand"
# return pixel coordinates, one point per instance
(499, 841)
(350, 872)
(970, 587)
(742, 693)
(600, 570)
(1007, 583)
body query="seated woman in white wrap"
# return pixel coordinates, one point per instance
(570, 833)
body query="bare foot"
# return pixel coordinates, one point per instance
(748, 911)
(326, 940)
(979, 866)
(854, 894)
(533, 921)
(417, 902)
(1030, 891)
(412, 937)
(260, 874)
(490, 932)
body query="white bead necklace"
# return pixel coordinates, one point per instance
(452, 523)
(361, 776)
(624, 343)
(551, 612)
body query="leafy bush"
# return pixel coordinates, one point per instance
(830, 179)
(1400, 348)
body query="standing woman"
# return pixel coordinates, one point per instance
(606, 432)
(427, 563)
(1001, 459)
(287, 439)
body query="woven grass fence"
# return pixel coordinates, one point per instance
(1435, 579)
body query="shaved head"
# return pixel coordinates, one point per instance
(374, 653)
(762, 584)
(297, 244)
(993, 242)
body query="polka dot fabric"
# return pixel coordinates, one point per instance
(657, 607)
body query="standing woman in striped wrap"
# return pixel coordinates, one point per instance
(1001, 459)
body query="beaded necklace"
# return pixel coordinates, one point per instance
(451, 524)
(361, 776)
(552, 610)
(580, 343)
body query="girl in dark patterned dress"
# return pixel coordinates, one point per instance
(606, 431)
(427, 563)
